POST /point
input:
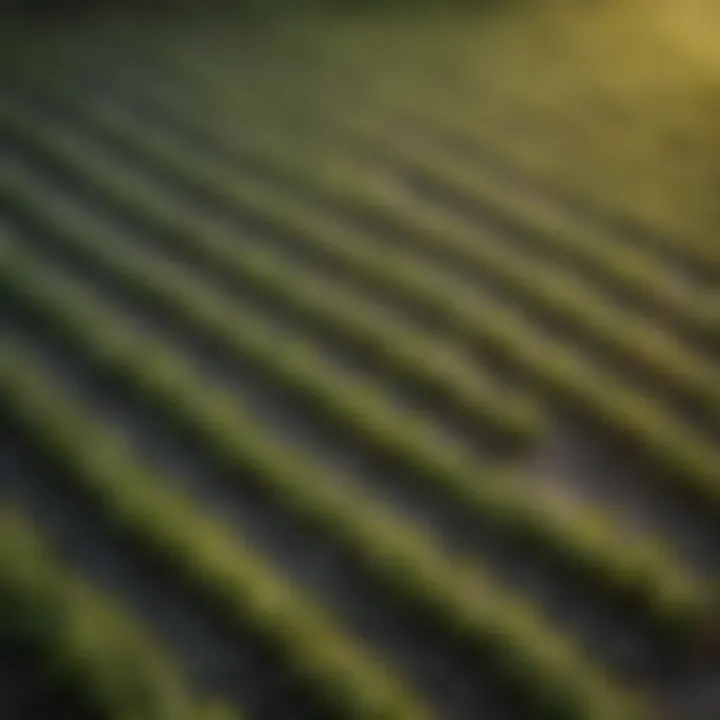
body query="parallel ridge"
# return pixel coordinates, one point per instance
(445, 378)
(648, 354)
(445, 375)
(466, 604)
(642, 424)
(414, 118)
(423, 105)
(584, 544)
(341, 679)
(698, 255)
(157, 199)
(118, 669)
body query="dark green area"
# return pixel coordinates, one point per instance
(47, 8)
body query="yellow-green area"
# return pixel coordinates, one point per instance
(485, 219)
(613, 101)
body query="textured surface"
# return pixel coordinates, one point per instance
(367, 377)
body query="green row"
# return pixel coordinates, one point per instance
(353, 405)
(673, 451)
(638, 343)
(631, 270)
(333, 83)
(647, 578)
(414, 96)
(437, 371)
(373, 123)
(341, 679)
(698, 253)
(86, 639)
(642, 347)
(550, 675)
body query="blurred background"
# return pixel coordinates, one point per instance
(360, 360)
